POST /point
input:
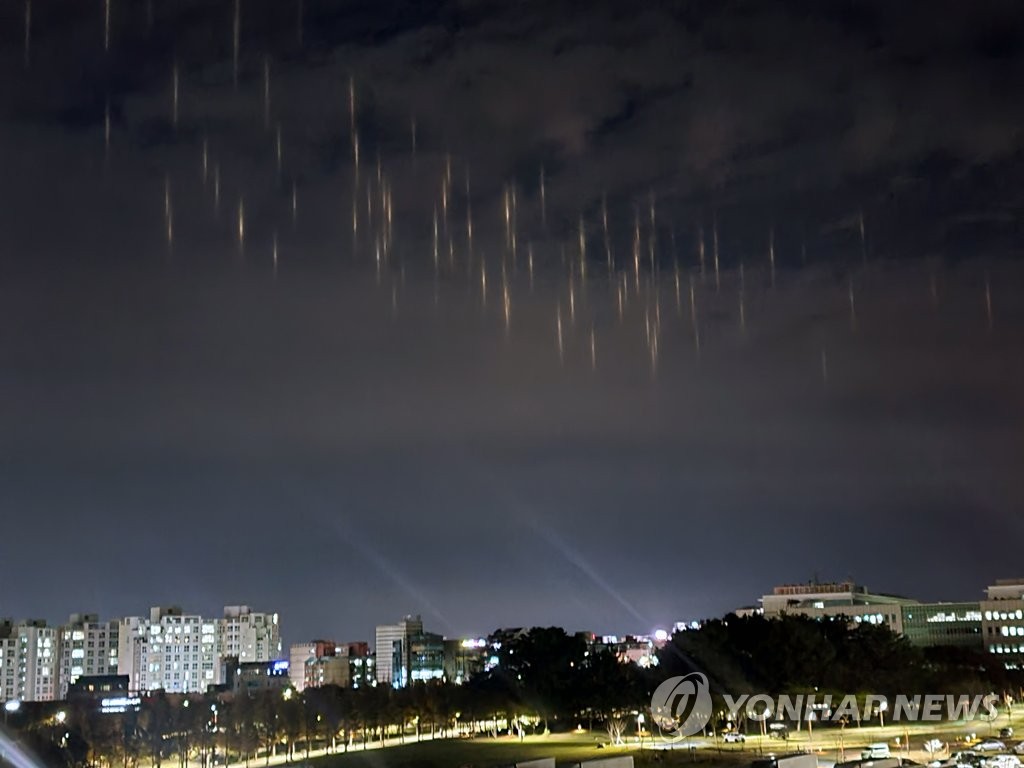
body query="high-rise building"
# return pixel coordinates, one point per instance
(392, 644)
(169, 650)
(29, 661)
(249, 635)
(88, 647)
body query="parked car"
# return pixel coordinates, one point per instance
(1006, 733)
(733, 737)
(990, 745)
(1019, 749)
(1002, 761)
(968, 759)
(778, 731)
(875, 751)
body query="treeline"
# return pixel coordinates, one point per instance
(795, 654)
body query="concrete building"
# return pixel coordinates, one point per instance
(300, 654)
(392, 646)
(834, 600)
(1002, 621)
(465, 658)
(184, 653)
(251, 677)
(947, 624)
(327, 670)
(29, 661)
(88, 647)
(249, 635)
(425, 659)
(169, 650)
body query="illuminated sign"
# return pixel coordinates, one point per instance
(119, 704)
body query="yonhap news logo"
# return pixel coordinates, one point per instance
(681, 706)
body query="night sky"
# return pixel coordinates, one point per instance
(214, 389)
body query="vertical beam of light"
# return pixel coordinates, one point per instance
(273, 252)
(558, 334)
(771, 253)
(168, 212)
(241, 223)
(701, 260)
(988, 302)
(278, 151)
(106, 25)
(853, 306)
(714, 235)
(175, 94)
(543, 200)
(205, 160)
(216, 189)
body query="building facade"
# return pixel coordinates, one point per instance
(949, 624)
(248, 635)
(1002, 621)
(392, 646)
(88, 647)
(425, 659)
(29, 661)
(301, 654)
(184, 653)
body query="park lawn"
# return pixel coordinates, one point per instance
(567, 749)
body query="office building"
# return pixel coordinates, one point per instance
(392, 646)
(947, 624)
(1002, 621)
(425, 659)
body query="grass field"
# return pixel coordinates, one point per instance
(567, 749)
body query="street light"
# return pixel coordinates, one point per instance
(640, 729)
(881, 713)
(10, 707)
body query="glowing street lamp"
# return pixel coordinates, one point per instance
(881, 713)
(10, 707)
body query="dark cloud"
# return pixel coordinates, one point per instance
(380, 439)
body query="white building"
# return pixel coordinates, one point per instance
(28, 661)
(1002, 622)
(392, 646)
(88, 646)
(249, 635)
(168, 650)
(183, 653)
